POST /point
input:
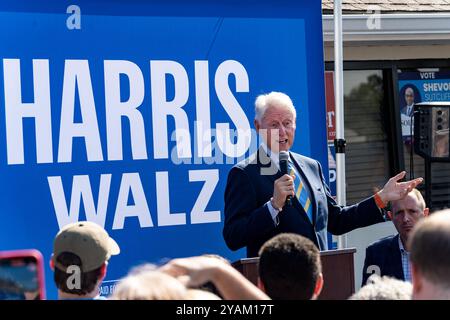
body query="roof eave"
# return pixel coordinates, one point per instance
(401, 28)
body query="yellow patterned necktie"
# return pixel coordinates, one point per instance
(301, 192)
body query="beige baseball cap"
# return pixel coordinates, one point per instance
(90, 242)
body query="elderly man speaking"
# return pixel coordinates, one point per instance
(256, 191)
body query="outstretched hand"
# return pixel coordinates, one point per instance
(394, 190)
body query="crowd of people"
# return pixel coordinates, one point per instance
(279, 207)
(289, 266)
(414, 264)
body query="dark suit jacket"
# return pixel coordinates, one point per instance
(248, 222)
(385, 254)
(404, 110)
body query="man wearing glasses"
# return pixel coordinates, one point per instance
(409, 98)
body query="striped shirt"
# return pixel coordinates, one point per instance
(405, 261)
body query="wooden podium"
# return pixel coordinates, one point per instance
(337, 268)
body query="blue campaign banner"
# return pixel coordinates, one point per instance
(426, 86)
(420, 86)
(131, 113)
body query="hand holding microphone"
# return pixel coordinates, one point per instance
(283, 186)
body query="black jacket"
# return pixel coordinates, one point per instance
(385, 255)
(248, 222)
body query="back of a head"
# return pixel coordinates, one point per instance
(149, 285)
(384, 288)
(87, 240)
(87, 247)
(88, 280)
(430, 248)
(289, 266)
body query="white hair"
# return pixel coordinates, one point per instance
(149, 285)
(264, 101)
(384, 288)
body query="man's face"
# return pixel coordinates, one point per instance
(277, 127)
(405, 214)
(409, 96)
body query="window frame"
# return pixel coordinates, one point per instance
(391, 105)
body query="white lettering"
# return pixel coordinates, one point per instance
(198, 213)
(165, 218)
(116, 109)
(203, 123)
(81, 189)
(232, 107)
(161, 108)
(16, 110)
(132, 182)
(77, 75)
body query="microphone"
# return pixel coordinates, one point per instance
(284, 157)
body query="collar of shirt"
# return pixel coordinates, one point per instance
(410, 108)
(400, 245)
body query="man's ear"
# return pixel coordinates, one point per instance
(426, 212)
(103, 270)
(52, 264)
(256, 123)
(261, 285)
(318, 287)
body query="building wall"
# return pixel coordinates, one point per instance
(389, 52)
(362, 238)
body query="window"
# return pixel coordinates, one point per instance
(418, 81)
(367, 154)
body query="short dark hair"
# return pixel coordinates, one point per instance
(88, 280)
(289, 266)
(430, 248)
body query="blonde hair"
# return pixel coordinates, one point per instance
(419, 198)
(384, 288)
(149, 285)
(197, 294)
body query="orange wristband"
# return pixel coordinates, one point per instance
(378, 201)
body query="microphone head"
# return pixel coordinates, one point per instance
(283, 156)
